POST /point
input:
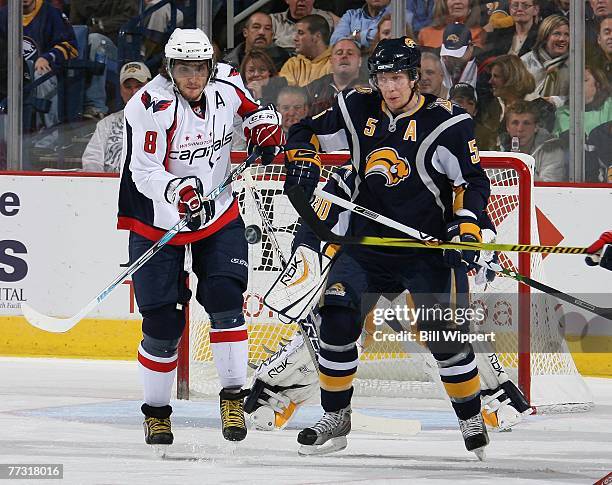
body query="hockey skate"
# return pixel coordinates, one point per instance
(475, 435)
(157, 428)
(328, 435)
(232, 414)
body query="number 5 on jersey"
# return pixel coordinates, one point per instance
(474, 151)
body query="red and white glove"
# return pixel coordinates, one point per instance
(187, 195)
(263, 129)
(600, 252)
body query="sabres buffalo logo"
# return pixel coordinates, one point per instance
(386, 162)
(160, 105)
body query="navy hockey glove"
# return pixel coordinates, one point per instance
(187, 195)
(263, 129)
(463, 229)
(600, 252)
(303, 166)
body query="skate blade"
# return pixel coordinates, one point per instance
(331, 446)
(480, 453)
(161, 451)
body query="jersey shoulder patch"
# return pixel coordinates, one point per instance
(441, 103)
(363, 89)
(152, 101)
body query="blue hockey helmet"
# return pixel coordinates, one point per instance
(394, 55)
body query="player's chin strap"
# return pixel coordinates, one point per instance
(423, 240)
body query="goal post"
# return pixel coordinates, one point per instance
(550, 379)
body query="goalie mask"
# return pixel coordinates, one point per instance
(191, 45)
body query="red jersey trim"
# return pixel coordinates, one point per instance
(154, 234)
(157, 366)
(229, 336)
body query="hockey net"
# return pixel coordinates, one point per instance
(528, 325)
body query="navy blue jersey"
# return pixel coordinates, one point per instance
(407, 167)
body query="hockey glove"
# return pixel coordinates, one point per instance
(463, 229)
(303, 166)
(600, 252)
(263, 129)
(187, 195)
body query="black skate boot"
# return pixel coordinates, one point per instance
(475, 435)
(232, 414)
(328, 435)
(157, 427)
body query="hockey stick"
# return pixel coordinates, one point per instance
(60, 325)
(296, 195)
(422, 240)
(360, 422)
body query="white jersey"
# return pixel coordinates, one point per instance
(164, 138)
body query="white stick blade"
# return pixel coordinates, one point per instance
(49, 324)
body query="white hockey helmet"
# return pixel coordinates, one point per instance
(189, 45)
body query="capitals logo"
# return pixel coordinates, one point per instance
(160, 105)
(387, 162)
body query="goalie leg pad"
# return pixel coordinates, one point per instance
(282, 382)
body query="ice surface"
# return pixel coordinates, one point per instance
(85, 415)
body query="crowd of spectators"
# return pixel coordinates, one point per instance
(505, 62)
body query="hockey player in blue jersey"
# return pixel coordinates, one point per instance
(411, 152)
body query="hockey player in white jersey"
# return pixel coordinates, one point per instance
(177, 139)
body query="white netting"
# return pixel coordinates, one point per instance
(396, 368)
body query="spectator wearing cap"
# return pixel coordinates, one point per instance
(258, 34)
(103, 152)
(464, 95)
(519, 37)
(313, 52)
(345, 64)
(432, 76)
(495, 16)
(448, 12)
(284, 24)
(457, 56)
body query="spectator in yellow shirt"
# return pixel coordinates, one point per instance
(313, 52)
